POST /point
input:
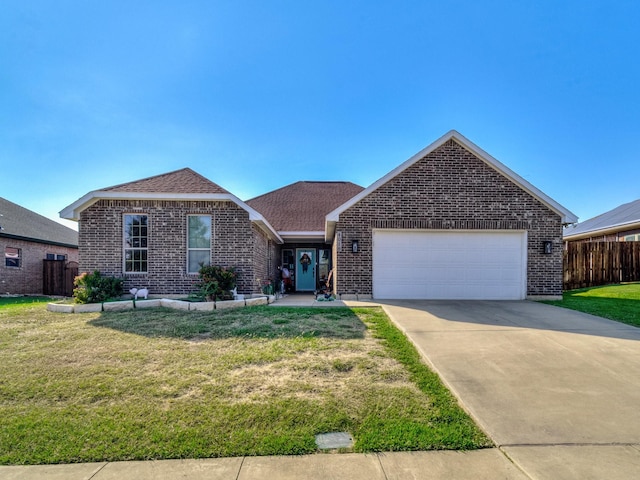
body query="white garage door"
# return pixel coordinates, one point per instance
(418, 264)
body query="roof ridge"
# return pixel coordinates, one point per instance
(161, 183)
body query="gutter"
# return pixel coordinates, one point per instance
(38, 240)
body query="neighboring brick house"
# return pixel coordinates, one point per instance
(26, 239)
(450, 222)
(622, 224)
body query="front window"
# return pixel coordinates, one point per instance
(198, 242)
(136, 239)
(12, 257)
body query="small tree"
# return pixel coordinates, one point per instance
(216, 282)
(94, 288)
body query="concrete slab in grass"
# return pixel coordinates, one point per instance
(334, 440)
(118, 306)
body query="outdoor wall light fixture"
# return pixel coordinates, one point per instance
(547, 247)
(354, 246)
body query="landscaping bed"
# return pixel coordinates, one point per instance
(159, 383)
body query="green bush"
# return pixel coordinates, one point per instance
(94, 288)
(216, 282)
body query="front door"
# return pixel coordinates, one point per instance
(305, 269)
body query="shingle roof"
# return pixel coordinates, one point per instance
(179, 181)
(620, 216)
(17, 221)
(302, 206)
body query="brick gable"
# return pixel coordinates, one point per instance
(450, 188)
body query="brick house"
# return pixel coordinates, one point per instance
(451, 222)
(26, 239)
(622, 224)
(156, 232)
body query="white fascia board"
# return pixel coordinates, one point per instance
(310, 235)
(566, 216)
(257, 217)
(603, 231)
(72, 212)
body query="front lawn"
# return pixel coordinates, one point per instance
(616, 302)
(159, 383)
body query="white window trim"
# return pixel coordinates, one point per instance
(210, 249)
(19, 257)
(124, 247)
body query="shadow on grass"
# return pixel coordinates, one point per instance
(251, 322)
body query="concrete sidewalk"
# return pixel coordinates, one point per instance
(477, 465)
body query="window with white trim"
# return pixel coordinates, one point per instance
(12, 257)
(135, 241)
(198, 242)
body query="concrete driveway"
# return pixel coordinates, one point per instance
(557, 390)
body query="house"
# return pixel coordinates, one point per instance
(622, 224)
(26, 239)
(451, 222)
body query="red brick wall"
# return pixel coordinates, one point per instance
(27, 279)
(449, 189)
(234, 240)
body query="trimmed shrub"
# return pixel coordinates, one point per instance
(216, 282)
(94, 288)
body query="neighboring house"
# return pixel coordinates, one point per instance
(622, 224)
(449, 223)
(26, 239)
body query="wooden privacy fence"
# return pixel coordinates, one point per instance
(57, 277)
(590, 264)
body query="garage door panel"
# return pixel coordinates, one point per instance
(449, 265)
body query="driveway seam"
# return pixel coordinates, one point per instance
(384, 473)
(571, 444)
(93, 475)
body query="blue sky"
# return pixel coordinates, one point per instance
(255, 95)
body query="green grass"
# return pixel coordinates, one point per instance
(159, 383)
(616, 302)
(6, 301)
